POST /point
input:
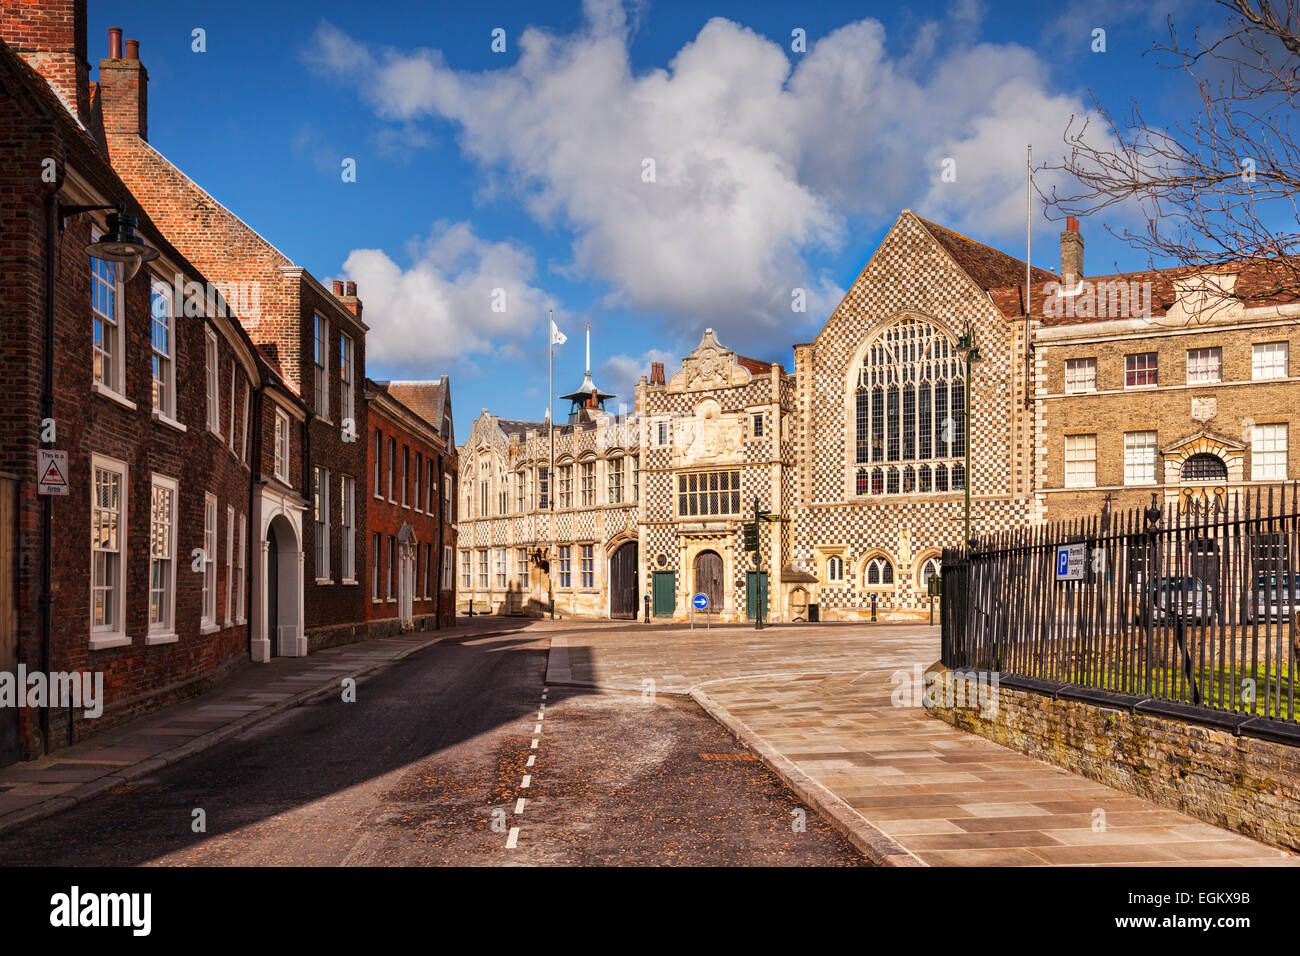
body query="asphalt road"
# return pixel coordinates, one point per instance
(428, 766)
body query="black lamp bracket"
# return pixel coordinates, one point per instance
(66, 211)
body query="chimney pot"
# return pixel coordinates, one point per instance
(1071, 224)
(338, 286)
(352, 288)
(1071, 252)
(115, 43)
(132, 50)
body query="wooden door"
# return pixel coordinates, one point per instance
(665, 593)
(708, 578)
(624, 590)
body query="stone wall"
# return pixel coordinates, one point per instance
(1242, 783)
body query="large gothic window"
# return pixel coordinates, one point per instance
(910, 404)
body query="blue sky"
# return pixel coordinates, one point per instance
(526, 170)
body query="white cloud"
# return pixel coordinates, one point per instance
(763, 163)
(441, 306)
(620, 373)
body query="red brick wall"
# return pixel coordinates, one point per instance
(387, 517)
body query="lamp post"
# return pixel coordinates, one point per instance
(966, 346)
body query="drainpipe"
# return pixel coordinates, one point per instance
(47, 411)
(254, 469)
(437, 585)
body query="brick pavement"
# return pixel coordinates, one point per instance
(815, 703)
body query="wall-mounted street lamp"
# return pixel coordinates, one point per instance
(967, 348)
(119, 243)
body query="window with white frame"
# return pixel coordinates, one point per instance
(663, 433)
(213, 379)
(243, 451)
(347, 387)
(392, 467)
(349, 520)
(428, 560)
(322, 366)
(500, 555)
(878, 572)
(406, 473)
(392, 561)
(1080, 375)
(379, 463)
(162, 556)
(106, 332)
(521, 558)
(1080, 461)
(564, 482)
(281, 446)
(1141, 369)
(483, 569)
(417, 476)
(614, 472)
(376, 543)
(635, 461)
(429, 486)
(447, 568)
(543, 489)
(465, 571)
(230, 563)
(233, 382)
(446, 497)
(1268, 452)
(835, 569)
(241, 569)
(1204, 365)
(209, 560)
(587, 483)
(1269, 359)
(162, 348)
(929, 571)
(321, 511)
(108, 499)
(1139, 458)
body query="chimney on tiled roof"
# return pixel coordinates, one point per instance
(346, 292)
(1071, 253)
(51, 36)
(656, 373)
(124, 88)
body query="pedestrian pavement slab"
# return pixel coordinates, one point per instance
(817, 704)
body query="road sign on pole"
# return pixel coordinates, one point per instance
(1070, 561)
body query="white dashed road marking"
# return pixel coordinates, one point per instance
(519, 805)
(513, 839)
(528, 780)
(532, 759)
(534, 747)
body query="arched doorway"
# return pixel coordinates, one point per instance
(624, 590)
(708, 578)
(281, 594)
(407, 542)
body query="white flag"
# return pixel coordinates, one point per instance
(557, 337)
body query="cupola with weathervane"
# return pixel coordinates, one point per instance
(587, 400)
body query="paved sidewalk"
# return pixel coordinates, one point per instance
(34, 789)
(906, 788)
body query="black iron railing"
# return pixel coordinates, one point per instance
(1193, 603)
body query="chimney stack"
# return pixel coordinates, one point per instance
(338, 286)
(1071, 253)
(347, 293)
(124, 88)
(51, 36)
(352, 289)
(656, 373)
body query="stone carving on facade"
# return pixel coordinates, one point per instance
(710, 438)
(710, 365)
(1203, 409)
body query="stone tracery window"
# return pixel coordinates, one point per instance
(878, 572)
(909, 422)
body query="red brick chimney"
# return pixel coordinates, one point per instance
(1071, 253)
(656, 373)
(51, 36)
(347, 294)
(124, 88)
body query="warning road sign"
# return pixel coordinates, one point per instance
(51, 472)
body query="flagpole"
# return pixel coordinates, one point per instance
(550, 409)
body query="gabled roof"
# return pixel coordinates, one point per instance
(989, 267)
(427, 398)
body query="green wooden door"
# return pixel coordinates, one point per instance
(665, 593)
(755, 593)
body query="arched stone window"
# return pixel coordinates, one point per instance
(929, 569)
(879, 572)
(910, 406)
(835, 569)
(1204, 467)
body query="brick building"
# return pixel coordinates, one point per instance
(314, 339)
(153, 393)
(411, 497)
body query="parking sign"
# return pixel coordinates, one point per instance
(1070, 561)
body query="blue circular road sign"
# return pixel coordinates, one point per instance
(701, 602)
